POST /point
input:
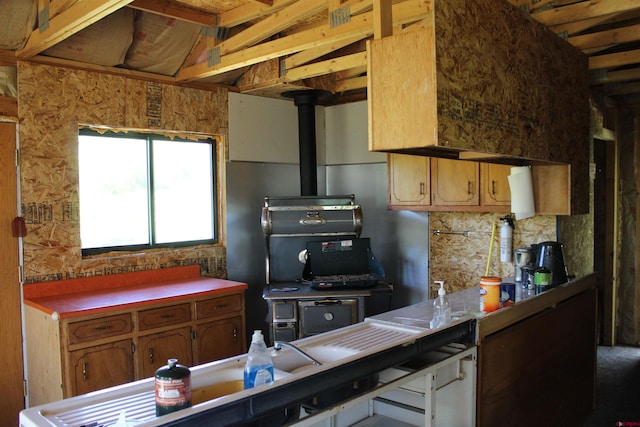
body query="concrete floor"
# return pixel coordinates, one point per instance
(617, 388)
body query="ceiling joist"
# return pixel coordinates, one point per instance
(275, 23)
(583, 10)
(175, 10)
(77, 17)
(326, 67)
(359, 26)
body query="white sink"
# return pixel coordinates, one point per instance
(288, 360)
(217, 383)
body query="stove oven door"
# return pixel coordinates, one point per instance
(317, 316)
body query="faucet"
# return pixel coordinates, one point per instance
(277, 346)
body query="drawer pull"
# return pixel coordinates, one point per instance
(220, 306)
(151, 356)
(167, 316)
(235, 334)
(84, 372)
(102, 328)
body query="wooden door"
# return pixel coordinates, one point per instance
(495, 184)
(220, 339)
(408, 180)
(100, 366)
(454, 182)
(12, 382)
(156, 349)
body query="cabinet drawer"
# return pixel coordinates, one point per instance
(163, 316)
(103, 327)
(217, 306)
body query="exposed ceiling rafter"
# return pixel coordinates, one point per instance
(70, 21)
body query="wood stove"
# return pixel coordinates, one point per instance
(295, 309)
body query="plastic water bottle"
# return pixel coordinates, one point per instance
(441, 307)
(259, 367)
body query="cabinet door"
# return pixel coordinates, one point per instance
(101, 366)
(454, 182)
(408, 180)
(495, 184)
(219, 339)
(154, 350)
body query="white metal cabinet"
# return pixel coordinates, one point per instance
(441, 394)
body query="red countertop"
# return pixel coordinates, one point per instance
(74, 297)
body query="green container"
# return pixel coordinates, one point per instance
(173, 388)
(542, 280)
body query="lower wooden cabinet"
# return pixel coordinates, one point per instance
(100, 366)
(541, 370)
(154, 350)
(86, 353)
(220, 339)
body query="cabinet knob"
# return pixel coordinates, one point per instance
(151, 356)
(235, 334)
(84, 371)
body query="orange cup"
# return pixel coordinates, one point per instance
(490, 293)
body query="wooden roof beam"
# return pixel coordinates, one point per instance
(273, 24)
(583, 10)
(309, 55)
(8, 57)
(606, 38)
(613, 60)
(605, 76)
(175, 10)
(579, 26)
(359, 26)
(265, 2)
(326, 67)
(77, 17)
(250, 11)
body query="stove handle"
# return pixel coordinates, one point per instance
(328, 302)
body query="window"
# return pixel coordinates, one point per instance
(140, 191)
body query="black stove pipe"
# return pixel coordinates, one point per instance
(306, 101)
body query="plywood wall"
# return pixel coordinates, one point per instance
(53, 102)
(461, 260)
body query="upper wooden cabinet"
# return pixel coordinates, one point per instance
(454, 182)
(456, 86)
(409, 180)
(456, 185)
(495, 189)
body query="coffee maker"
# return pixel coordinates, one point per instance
(550, 256)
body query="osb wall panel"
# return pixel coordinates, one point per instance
(461, 260)
(52, 102)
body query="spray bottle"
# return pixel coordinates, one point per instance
(506, 239)
(441, 307)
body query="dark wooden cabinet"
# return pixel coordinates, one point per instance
(540, 371)
(219, 339)
(156, 349)
(100, 366)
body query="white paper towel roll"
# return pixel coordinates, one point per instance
(522, 204)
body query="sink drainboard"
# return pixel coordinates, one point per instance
(370, 336)
(138, 407)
